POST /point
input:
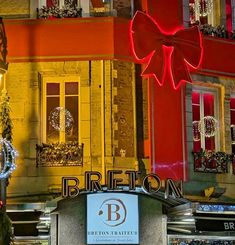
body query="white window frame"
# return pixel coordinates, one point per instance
(233, 14)
(42, 3)
(203, 90)
(62, 80)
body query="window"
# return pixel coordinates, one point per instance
(201, 11)
(203, 105)
(232, 116)
(60, 109)
(233, 14)
(59, 3)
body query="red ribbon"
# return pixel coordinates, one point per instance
(150, 43)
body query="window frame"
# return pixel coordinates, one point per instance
(215, 91)
(62, 80)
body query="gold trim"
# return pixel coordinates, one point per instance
(60, 57)
(59, 21)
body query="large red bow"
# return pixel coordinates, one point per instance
(150, 42)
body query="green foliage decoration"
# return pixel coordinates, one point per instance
(6, 233)
(5, 120)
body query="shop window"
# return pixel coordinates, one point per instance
(205, 120)
(60, 109)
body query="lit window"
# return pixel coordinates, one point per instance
(60, 109)
(202, 11)
(59, 3)
(232, 115)
(204, 115)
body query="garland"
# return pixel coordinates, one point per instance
(6, 233)
(5, 120)
(66, 11)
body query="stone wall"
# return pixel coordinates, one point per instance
(15, 8)
(106, 120)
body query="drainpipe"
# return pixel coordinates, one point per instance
(134, 117)
(3, 181)
(132, 8)
(102, 77)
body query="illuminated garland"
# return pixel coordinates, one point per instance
(208, 126)
(7, 156)
(203, 7)
(57, 115)
(196, 132)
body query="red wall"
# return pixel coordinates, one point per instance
(66, 39)
(96, 38)
(108, 38)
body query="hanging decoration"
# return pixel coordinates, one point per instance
(61, 119)
(5, 120)
(150, 44)
(196, 132)
(7, 158)
(3, 47)
(203, 7)
(208, 126)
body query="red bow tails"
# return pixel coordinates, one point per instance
(149, 44)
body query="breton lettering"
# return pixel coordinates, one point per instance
(93, 184)
(151, 183)
(112, 182)
(229, 226)
(69, 190)
(147, 183)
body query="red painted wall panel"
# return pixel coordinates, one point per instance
(97, 38)
(219, 56)
(87, 38)
(168, 127)
(168, 13)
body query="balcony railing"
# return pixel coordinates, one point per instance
(216, 31)
(59, 154)
(88, 8)
(212, 162)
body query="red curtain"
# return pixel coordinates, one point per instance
(97, 3)
(228, 16)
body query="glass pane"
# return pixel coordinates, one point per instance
(210, 143)
(232, 114)
(52, 128)
(233, 117)
(208, 104)
(196, 112)
(232, 103)
(232, 110)
(196, 119)
(53, 88)
(196, 98)
(71, 121)
(71, 88)
(209, 111)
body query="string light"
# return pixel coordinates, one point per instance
(208, 126)
(203, 7)
(56, 117)
(7, 155)
(196, 132)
